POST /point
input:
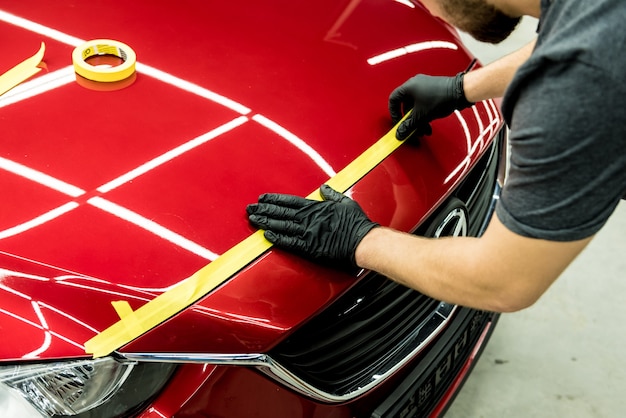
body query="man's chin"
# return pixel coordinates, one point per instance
(494, 34)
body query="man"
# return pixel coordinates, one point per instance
(564, 101)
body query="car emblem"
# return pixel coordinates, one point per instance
(451, 221)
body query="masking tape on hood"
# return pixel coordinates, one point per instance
(135, 323)
(22, 71)
(99, 47)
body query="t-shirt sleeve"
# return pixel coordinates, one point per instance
(568, 152)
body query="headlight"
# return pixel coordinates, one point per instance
(103, 388)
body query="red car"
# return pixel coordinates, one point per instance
(131, 283)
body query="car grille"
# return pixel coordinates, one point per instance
(378, 324)
(439, 365)
(349, 340)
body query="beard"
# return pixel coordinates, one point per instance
(481, 20)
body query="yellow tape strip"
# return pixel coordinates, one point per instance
(134, 324)
(127, 314)
(22, 71)
(122, 308)
(104, 47)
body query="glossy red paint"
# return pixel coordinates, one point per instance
(314, 81)
(300, 65)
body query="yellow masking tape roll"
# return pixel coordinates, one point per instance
(163, 307)
(100, 47)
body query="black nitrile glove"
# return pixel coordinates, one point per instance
(325, 231)
(430, 98)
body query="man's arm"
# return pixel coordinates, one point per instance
(434, 97)
(500, 271)
(492, 80)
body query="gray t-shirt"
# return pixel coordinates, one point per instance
(566, 108)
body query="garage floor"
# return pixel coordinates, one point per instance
(564, 356)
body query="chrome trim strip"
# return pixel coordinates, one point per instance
(411, 346)
(497, 190)
(250, 360)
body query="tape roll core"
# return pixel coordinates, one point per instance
(96, 47)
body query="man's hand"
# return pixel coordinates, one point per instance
(325, 231)
(430, 98)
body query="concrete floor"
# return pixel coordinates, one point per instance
(564, 356)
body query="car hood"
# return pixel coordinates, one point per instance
(120, 195)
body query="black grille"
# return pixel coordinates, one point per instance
(438, 366)
(348, 342)
(354, 338)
